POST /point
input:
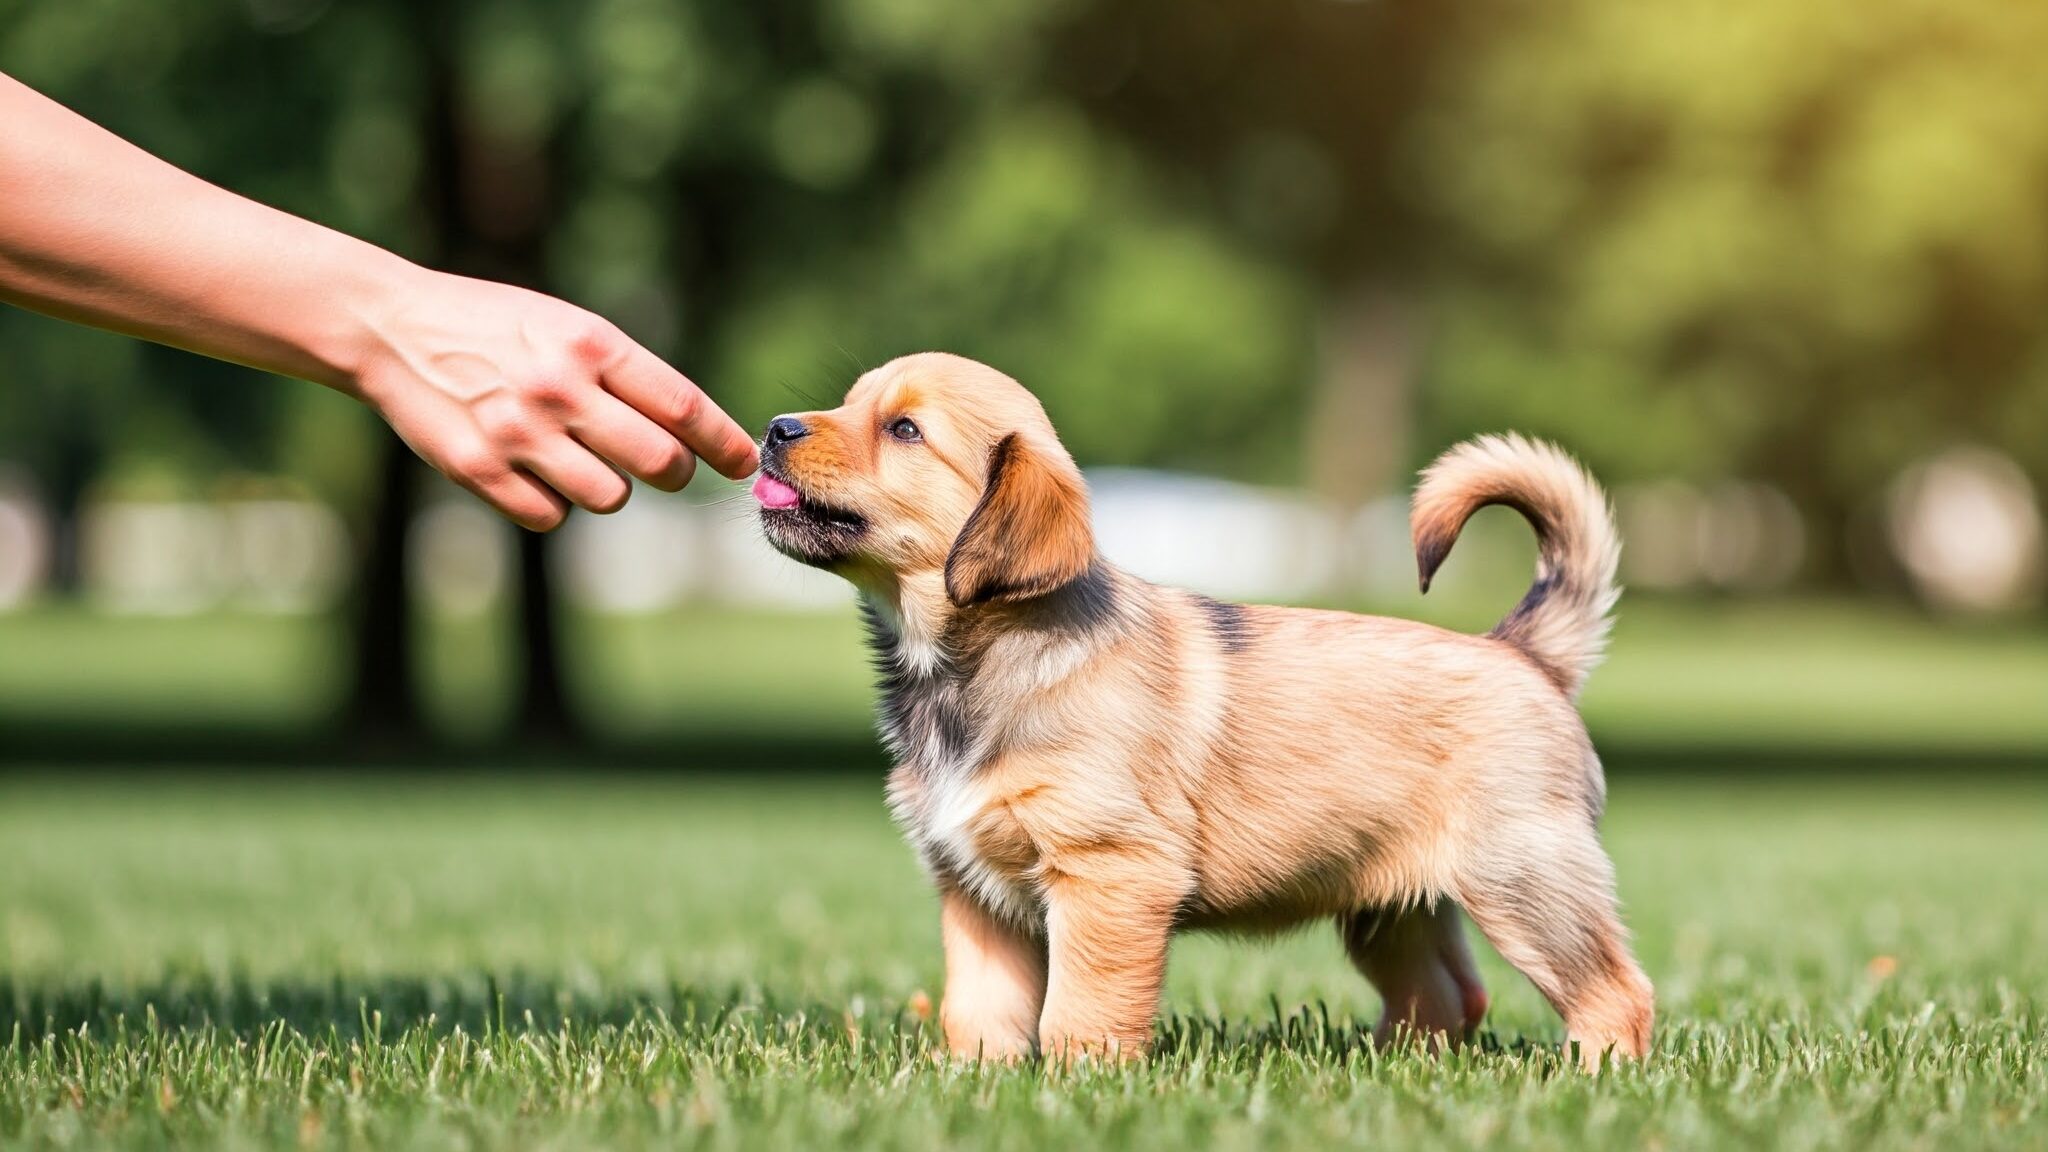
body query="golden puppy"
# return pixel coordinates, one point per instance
(1088, 763)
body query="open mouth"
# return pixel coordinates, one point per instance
(804, 528)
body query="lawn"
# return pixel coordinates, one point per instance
(747, 961)
(1800, 678)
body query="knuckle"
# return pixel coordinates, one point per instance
(668, 461)
(473, 465)
(505, 424)
(594, 342)
(549, 392)
(684, 405)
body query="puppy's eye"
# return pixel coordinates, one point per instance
(905, 430)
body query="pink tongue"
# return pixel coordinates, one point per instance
(773, 493)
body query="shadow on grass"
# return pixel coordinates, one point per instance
(126, 750)
(479, 1003)
(484, 1005)
(121, 749)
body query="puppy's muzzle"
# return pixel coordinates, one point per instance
(782, 432)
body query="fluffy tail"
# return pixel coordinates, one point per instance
(1562, 622)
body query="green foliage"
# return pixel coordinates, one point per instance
(774, 195)
(1804, 241)
(1799, 242)
(1037, 246)
(743, 963)
(240, 94)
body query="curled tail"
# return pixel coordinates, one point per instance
(1562, 622)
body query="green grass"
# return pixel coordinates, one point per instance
(1799, 677)
(480, 963)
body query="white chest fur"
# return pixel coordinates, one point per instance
(939, 792)
(945, 820)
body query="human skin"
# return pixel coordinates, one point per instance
(531, 403)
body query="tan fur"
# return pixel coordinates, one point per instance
(1029, 533)
(1087, 763)
(1562, 624)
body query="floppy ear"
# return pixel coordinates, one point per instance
(1028, 535)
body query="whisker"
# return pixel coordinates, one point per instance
(805, 395)
(859, 366)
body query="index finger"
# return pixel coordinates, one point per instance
(668, 398)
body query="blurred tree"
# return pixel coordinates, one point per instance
(1806, 242)
(80, 403)
(773, 195)
(487, 200)
(1798, 242)
(1803, 243)
(929, 188)
(1285, 119)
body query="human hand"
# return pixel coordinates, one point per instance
(533, 403)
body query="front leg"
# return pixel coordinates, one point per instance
(995, 983)
(1108, 938)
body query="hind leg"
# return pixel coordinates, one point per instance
(1545, 900)
(1419, 963)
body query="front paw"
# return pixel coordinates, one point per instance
(1080, 1045)
(980, 1037)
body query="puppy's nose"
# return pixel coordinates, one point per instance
(784, 429)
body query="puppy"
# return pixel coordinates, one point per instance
(1088, 763)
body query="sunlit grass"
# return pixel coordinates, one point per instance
(486, 963)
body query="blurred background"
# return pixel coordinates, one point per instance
(1777, 272)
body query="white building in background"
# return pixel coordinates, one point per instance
(643, 558)
(1229, 540)
(24, 544)
(660, 552)
(459, 556)
(1965, 525)
(154, 559)
(287, 556)
(172, 558)
(742, 569)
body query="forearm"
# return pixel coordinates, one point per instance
(95, 230)
(528, 401)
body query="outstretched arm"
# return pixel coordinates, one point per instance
(529, 402)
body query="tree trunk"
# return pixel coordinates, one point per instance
(73, 465)
(542, 717)
(485, 204)
(492, 202)
(1363, 409)
(384, 705)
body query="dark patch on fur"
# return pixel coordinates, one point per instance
(1087, 603)
(1230, 622)
(1532, 601)
(1512, 629)
(1430, 553)
(923, 714)
(918, 712)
